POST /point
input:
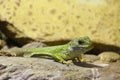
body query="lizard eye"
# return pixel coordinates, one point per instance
(80, 42)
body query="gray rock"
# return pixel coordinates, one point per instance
(34, 45)
(19, 68)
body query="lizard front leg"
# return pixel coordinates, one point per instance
(79, 58)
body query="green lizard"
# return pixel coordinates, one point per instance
(61, 53)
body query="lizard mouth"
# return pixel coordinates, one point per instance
(87, 46)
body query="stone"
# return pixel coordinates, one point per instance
(20, 68)
(16, 68)
(34, 45)
(90, 58)
(50, 20)
(109, 56)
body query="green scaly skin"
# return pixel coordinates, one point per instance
(62, 53)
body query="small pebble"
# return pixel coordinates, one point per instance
(90, 57)
(109, 56)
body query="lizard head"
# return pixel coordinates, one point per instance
(80, 45)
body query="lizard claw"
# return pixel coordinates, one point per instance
(67, 62)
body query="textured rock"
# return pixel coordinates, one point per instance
(90, 58)
(110, 73)
(109, 56)
(31, 68)
(34, 45)
(17, 68)
(54, 20)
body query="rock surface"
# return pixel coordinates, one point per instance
(109, 56)
(48, 20)
(18, 68)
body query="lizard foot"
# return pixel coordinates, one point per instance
(67, 62)
(79, 59)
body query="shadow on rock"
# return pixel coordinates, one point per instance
(87, 65)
